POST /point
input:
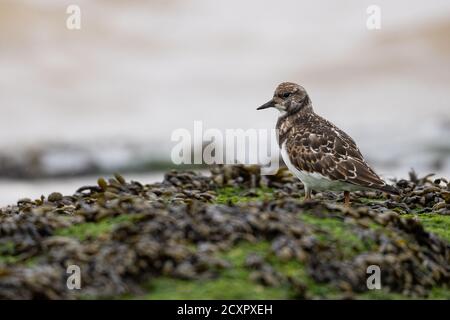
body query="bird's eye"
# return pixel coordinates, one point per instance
(286, 94)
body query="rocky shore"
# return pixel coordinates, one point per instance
(232, 234)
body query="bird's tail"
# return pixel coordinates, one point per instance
(389, 189)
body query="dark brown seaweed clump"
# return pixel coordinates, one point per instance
(175, 228)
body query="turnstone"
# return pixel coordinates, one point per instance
(321, 155)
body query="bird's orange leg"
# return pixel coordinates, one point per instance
(307, 194)
(347, 198)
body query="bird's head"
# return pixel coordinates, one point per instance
(288, 98)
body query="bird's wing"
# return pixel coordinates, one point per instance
(319, 146)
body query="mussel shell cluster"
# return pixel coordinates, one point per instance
(177, 230)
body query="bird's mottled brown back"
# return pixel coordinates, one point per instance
(316, 145)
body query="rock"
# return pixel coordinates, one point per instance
(55, 197)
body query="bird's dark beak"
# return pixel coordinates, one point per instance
(266, 105)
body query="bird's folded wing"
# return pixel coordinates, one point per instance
(333, 154)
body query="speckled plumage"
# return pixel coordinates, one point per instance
(320, 154)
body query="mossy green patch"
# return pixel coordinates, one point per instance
(8, 255)
(7, 247)
(434, 223)
(334, 231)
(232, 283)
(292, 268)
(229, 286)
(370, 200)
(440, 293)
(87, 230)
(235, 282)
(233, 195)
(8, 259)
(18, 260)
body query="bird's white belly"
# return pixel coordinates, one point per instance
(315, 180)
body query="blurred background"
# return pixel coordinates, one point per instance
(78, 103)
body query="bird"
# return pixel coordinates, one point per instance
(316, 151)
